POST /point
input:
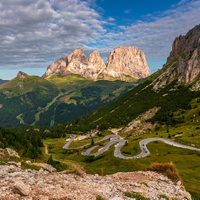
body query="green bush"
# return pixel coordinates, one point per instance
(136, 196)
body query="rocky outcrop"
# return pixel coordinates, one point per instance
(55, 68)
(12, 152)
(127, 61)
(15, 182)
(21, 75)
(124, 63)
(183, 63)
(21, 188)
(186, 52)
(77, 63)
(97, 62)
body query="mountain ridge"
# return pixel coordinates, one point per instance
(33, 100)
(124, 63)
(165, 89)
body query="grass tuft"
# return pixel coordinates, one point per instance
(168, 169)
(136, 196)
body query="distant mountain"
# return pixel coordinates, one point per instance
(124, 63)
(32, 100)
(170, 92)
(3, 81)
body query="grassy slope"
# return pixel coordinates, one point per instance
(37, 101)
(137, 101)
(79, 97)
(179, 115)
(19, 96)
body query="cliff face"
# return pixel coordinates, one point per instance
(77, 63)
(183, 63)
(123, 63)
(186, 51)
(127, 61)
(56, 67)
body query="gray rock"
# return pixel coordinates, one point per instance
(21, 188)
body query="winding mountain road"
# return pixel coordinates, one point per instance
(117, 152)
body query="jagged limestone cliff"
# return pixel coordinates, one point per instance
(124, 63)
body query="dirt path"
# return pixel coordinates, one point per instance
(78, 169)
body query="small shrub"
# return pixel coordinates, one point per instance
(145, 184)
(126, 152)
(135, 195)
(99, 198)
(168, 169)
(164, 197)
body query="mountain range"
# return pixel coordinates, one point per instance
(71, 87)
(3, 81)
(124, 63)
(170, 91)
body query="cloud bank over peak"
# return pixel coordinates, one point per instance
(33, 33)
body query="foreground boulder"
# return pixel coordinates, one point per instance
(21, 188)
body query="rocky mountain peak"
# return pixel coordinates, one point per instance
(55, 68)
(124, 63)
(186, 56)
(96, 60)
(127, 61)
(183, 63)
(76, 56)
(21, 75)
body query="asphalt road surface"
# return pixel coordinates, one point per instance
(120, 143)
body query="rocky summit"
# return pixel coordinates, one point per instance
(124, 63)
(183, 63)
(185, 55)
(127, 61)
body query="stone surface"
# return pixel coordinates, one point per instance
(124, 63)
(183, 62)
(77, 63)
(21, 188)
(55, 68)
(44, 185)
(187, 49)
(97, 62)
(12, 152)
(21, 75)
(127, 61)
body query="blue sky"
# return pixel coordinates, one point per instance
(34, 33)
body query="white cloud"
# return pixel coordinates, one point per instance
(111, 19)
(127, 11)
(42, 30)
(155, 37)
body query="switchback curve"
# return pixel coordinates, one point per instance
(117, 152)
